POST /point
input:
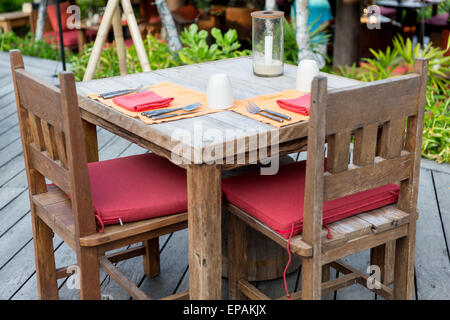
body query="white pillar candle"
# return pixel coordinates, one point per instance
(268, 47)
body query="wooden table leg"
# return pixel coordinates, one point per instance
(90, 140)
(151, 259)
(120, 42)
(205, 236)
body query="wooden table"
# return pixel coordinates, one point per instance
(204, 180)
(10, 20)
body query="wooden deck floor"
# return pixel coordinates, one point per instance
(17, 271)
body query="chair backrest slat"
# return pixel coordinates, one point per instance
(49, 168)
(365, 144)
(41, 99)
(377, 102)
(53, 141)
(356, 179)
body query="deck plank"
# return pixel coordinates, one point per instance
(13, 212)
(432, 260)
(442, 187)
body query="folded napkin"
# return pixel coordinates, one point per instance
(299, 105)
(142, 101)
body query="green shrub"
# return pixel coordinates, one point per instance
(28, 46)
(436, 131)
(318, 38)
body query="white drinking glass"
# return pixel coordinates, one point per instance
(306, 71)
(219, 92)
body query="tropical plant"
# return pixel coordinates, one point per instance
(381, 65)
(196, 48)
(436, 131)
(318, 38)
(438, 63)
(228, 44)
(352, 71)
(159, 55)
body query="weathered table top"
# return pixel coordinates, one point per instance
(245, 85)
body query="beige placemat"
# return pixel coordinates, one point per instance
(182, 97)
(269, 101)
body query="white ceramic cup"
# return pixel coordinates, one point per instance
(306, 71)
(219, 92)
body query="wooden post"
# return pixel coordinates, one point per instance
(120, 43)
(169, 25)
(347, 38)
(108, 19)
(41, 19)
(100, 39)
(136, 35)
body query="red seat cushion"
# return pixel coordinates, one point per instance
(277, 200)
(53, 16)
(70, 37)
(137, 188)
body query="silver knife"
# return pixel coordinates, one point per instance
(153, 113)
(172, 115)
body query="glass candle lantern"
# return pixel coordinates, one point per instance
(268, 40)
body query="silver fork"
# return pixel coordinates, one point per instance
(276, 114)
(254, 110)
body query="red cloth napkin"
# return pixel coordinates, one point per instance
(299, 105)
(142, 101)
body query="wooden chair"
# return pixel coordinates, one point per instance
(51, 131)
(374, 114)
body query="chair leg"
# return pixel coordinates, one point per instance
(151, 257)
(404, 267)
(384, 257)
(237, 256)
(89, 276)
(311, 278)
(325, 273)
(326, 276)
(45, 260)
